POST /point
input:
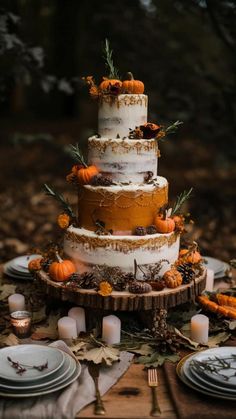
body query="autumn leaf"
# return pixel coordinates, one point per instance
(78, 346)
(103, 354)
(9, 340)
(184, 333)
(216, 340)
(49, 331)
(156, 359)
(6, 290)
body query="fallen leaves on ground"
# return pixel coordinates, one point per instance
(6, 290)
(9, 340)
(49, 331)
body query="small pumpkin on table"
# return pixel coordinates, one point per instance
(164, 224)
(62, 269)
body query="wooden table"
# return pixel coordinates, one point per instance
(130, 397)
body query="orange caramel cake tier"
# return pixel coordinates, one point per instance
(121, 207)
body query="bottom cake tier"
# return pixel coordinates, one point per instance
(88, 249)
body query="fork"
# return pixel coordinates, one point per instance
(153, 383)
(94, 372)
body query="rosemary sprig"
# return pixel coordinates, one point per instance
(216, 365)
(184, 196)
(77, 155)
(59, 198)
(173, 128)
(21, 368)
(107, 55)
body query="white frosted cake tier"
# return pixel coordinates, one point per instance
(88, 249)
(123, 160)
(118, 114)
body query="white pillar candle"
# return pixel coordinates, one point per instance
(67, 329)
(111, 328)
(210, 280)
(199, 328)
(78, 314)
(16, 302)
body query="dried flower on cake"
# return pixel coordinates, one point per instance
(105, 289)
(150, 130)
(35, 264)
(63, 220)
(93, 89)
(135, 134)
(179, 223)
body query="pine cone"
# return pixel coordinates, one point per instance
(140, 231)
(157, 285)
(139, 287)
(74, 277)
(151, 229)
(119, 284)
(45, 264)
(88, 280)
(100, 180)
(187, 272)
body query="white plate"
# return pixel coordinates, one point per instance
(222, 273)
(14, 275)
(30, 355)
(223, 353)
(184, 379)
(193, 376)
(215, 264)
(44, 391)
(66, 370)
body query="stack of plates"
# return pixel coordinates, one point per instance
(221, 384)
(218, 266)
(62, 370)
(18, 268)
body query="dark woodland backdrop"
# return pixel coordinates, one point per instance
(184, 51)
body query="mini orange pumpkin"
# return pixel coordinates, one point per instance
(62, 269)
(63, 220)
(190, 256)
(132, 86)
(173, 278)
(35, 264)
(164, 224)
(110, 84)
(85, 174)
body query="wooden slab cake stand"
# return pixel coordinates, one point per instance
(154, 304)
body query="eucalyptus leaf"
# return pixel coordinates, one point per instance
(156, 359)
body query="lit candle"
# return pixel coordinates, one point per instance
(67, 329)
(210, 280)
(21, 323)
(78, 314)
(199, 328)
(111, 327)
(16, 302)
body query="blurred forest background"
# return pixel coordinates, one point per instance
(183, 50)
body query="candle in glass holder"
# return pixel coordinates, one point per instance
(16, 302)
(199, 328)
(67, 329)
(78, 314)
(111, 328)
(21, 323)
(210, 280)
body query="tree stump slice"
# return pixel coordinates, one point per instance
(123, 300)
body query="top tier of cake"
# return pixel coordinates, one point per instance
(118, 114)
